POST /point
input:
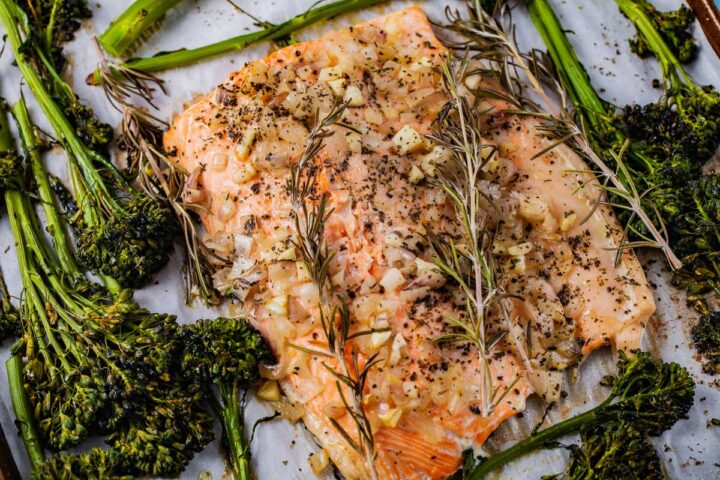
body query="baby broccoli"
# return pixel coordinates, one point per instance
(95, 361)
(97, 464)
(672, 27)
(647, 394)
(706, 335)
(617, 451)
(129, 27)
(225, 353)
(122, 234)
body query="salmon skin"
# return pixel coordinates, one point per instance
(422, 400)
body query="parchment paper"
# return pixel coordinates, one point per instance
(280, 450)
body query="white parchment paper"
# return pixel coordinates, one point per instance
(280, 450)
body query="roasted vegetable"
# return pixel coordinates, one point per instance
(706, 335)
(612, 452)
(96, 362)
(647, 394)
(672, 26)
(130, 26)
(97, 464)
(184, 57)
(225, 354)
(121, 234)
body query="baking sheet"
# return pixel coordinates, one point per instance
(281, 450)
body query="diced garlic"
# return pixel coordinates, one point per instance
(520, 249)
(392, 280)
(244, 173)
(517, 265)
(506, 148)
(242, 150)
(337, 86)
(437, 156)
(415, 175)
(330, 73)
(318, 461)
(391, 417)
(338, 279)
(396, 349)
(473, 81)
(392, 240)
(374, 116)
(533, 209)
(227, 210)
(354, 141)
(302, 272)
(410, 389)
(568, 222)
(269, 391)
(277, 306)
(219, 162)
(407, 140)
(288, 254)
(378, 339)
(353, 96)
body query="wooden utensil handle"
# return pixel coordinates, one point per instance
(8, 468)
(708, 15)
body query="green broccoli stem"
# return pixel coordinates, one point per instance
(186, 57)
(24, 418)
(132, 23)
(53, 218)
(80, 157)
(539, 440)
(671, 67)
(233, 422)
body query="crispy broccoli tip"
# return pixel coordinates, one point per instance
(706, 335)
(673, 26)
(612, 452)
(97, 464)
(226, 353)
(132, 246)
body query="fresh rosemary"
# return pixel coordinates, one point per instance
(141, 138)
(530, 83)
(311, 214)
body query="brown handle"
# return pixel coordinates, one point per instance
(8, 468)
(709, 18)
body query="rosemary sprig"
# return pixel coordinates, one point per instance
(532, 85)
(160, 177)
(468, 261)
(311, 214)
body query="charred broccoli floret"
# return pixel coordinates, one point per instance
(226, 353)
(97, 464)
(647, 394)
(121, 233)
(96, 362)
(612, 452)
(672, 26)
(706, 335)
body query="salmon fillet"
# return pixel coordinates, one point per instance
(422, 399)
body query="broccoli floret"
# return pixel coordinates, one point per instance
(132, 245)
(706, 335)
(226, 354)
(612, 452)
(97, 464)
(673, 26)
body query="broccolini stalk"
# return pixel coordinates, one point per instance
(127, 29)
(181, 58)
(673, 27)
(612, 452)
(226, 354)
(647, 393)
(699, 106)
(122, 235)
(23, 411)
(9, 316)
(96, 362)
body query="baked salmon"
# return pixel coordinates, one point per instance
(569, 296)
